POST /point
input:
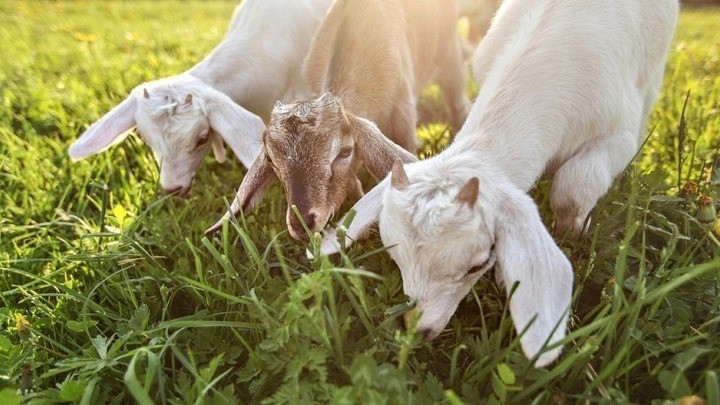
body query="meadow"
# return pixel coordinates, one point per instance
(109, 293)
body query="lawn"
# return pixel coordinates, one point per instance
(110, 293)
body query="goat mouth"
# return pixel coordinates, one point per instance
(299, 234)
(429, 334)
(180, 192)
(328, 220)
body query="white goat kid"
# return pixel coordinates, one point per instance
(568, 85)
(258, 63)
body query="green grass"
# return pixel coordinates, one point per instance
(110, 293)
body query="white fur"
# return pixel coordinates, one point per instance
(567, 88)
(258, 63)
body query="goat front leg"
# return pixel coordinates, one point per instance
(586, 177)
(452, 81)
(402, 123)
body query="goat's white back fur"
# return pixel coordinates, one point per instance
(258, 63)
(567, 86)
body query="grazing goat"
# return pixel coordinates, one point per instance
(180, 117)
(370, 58)
(568, 86)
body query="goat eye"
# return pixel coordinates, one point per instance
(345, 153)
(475, 270)
(481, 268)
(204, 137)
(271, 162)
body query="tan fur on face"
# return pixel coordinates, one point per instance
(304, 142)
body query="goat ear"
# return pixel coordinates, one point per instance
(367, 212)
(112, 128)
(468, 194)
(251, 190)
(399, 178)
(219, 148)
(241, 129)
(527, 254)
(377, 152)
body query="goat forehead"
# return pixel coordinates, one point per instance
(182, 126)
(413, 245)
(438, 229)
(172, 119)
(304, 146)
(300, 109)
(426, 209)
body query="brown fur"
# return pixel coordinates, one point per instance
(371, 58)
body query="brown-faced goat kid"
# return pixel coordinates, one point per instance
(370, 59)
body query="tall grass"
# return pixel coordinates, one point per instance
(111, 294)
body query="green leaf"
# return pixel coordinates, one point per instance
(453, 398)
(72, 391)
(133, 384)
(498, 387)
(375, 397)
(9, 396)
(493, 400)
(363, 370)
(345, 396)
(506, 374)
(82, 326)
(688, 357)
(101, 344)
(139, 320)
(674, 383)
(5, 343)
(712, 389)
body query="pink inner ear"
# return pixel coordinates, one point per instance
(468, 194)
(110, 129)
(398, 177)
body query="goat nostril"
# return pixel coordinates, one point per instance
(178, 191)
(297, 224)
(173, 190)
(310, 221)
(298, 232)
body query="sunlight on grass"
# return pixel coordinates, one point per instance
(110, 293)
